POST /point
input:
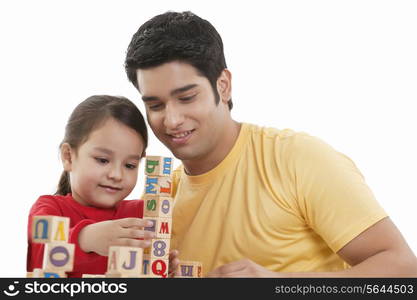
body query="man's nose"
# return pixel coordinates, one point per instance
(174, 117)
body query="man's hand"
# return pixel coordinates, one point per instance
(173, 263)
(100, 236)
(241, 268)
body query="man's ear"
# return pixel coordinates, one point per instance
(66, 156)
(224, 86)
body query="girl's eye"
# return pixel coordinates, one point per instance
(131, 166)
(101, 160)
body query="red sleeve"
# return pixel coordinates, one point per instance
(83, 261)
(41, 207)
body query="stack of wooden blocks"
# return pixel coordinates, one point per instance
(153, 261)
(58, 258)
(158, 204)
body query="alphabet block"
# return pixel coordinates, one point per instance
(159, 268)
(58, 256)
(158, 166)
(122, 275)
(157, 206)
(47, 229)
(42, 273)
(190, 269)
(125, 260)
(146, 264)
(158, 186)
(160, 249)
(93, 276)
(162, 227)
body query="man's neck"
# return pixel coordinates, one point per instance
(205, 164)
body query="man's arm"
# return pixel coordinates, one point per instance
(379, 251)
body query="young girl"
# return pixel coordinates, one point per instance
(105, 138)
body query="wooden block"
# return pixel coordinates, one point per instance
(162, 227)
(122, 275)
(192, 269)
(42, 273)
(158, 166)
(47, 229)
(160, 249)
(157, 206)
(93, 276)
(159, 268)
(58, 256)
(158, 186)
(29, 274)
(125, 260)
(146, 264)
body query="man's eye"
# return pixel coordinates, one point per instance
(131, 166)
(101, 160)
(187, 98)
(155, 106)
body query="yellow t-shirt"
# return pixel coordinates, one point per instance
(285, 200)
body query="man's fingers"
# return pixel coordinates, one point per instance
(227, 269)
(173, 253)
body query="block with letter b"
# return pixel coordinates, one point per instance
(47, 229)
(158, 166)
(158, 186)
(162, 227)
(58, 256)
(190, 269)
(42, 273)
(125, 260)
(157, 206)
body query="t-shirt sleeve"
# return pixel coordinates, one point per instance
(35, 253)
(331, 192)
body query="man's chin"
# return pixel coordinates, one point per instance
(182, 154)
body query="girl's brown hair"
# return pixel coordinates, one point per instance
(90, 114)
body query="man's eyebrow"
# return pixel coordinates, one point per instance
(183, 89)
(172, 93)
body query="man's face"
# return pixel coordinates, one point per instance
(181, 109)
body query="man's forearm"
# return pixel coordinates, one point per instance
(382, 264)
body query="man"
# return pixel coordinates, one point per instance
(252, 201)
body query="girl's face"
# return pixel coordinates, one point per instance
(104, 170)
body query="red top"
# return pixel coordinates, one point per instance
(80, 216)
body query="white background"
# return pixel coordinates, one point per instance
(345, 71)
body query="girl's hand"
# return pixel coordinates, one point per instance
(98, 237)
(173, 263)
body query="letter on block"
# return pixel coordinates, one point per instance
(41, 273)
(158, 166)
(162, 227)
(160, 248)
(125, 260)
(157, 206)
(159, 268)
(190, 269)
(158, 186)
(146, 264)
(47, 229)
(58, 257)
